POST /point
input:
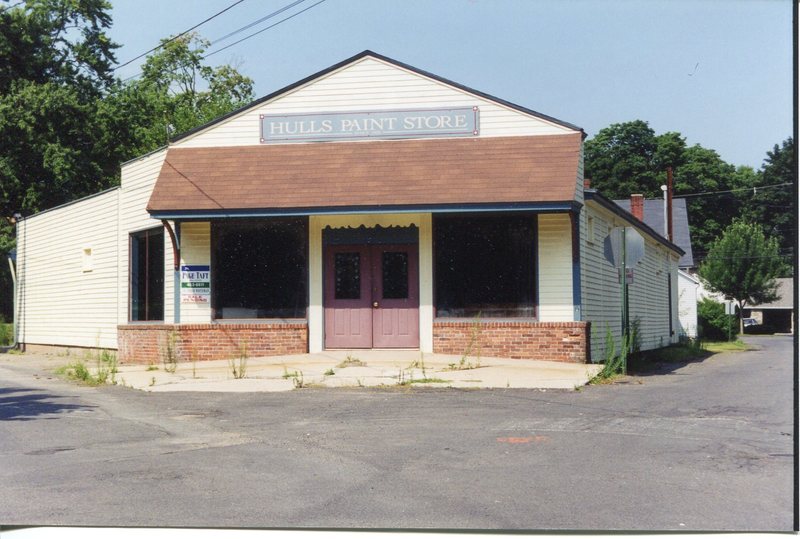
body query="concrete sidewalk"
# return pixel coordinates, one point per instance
(357, 368)
(337, 368)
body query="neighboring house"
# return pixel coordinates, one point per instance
(370, 205)
(778, 314)
(652, 212)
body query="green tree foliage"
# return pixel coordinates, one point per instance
(742, 265)
(66, 122)
(712, 322)
(628, 158)
(774, 207)
(176, 92)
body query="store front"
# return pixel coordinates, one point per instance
(369, 206)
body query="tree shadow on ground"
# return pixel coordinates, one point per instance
(22, 404)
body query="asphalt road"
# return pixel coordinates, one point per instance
(702, 446)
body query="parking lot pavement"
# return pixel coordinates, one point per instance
(706, 445)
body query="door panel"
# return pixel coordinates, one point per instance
(396, 290)
(348, 306)
(371, 296)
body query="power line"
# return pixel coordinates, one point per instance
(755, 189)
(259, 21)
(170, 40)
(274, 13)
(265, 29)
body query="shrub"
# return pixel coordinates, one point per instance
(712, 322)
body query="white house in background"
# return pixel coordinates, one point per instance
(370, 205)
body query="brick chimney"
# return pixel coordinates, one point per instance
(637, 206)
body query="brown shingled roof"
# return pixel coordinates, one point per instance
(374, 173)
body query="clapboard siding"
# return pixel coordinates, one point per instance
(138, 178)
(58, 302)
(195, 250)
(371, 84)
(555, 268)
(649, 299)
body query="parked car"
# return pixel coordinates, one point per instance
(749, 322)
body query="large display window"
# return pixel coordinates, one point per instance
(259, 269)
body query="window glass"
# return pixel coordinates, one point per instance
(347, 275)
(395, 275)
(147, 275)
(484, 266)
(259, 268)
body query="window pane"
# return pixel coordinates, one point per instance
(395, 275)
(147, 275)
(347, 275)
(484, 265)
(259, 269)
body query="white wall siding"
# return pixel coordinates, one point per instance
(371, 84)
(687, 304)
(138, 178)
(60, 303)
(195, 250)
(649, 297)
(555, 268)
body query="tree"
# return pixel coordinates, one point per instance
(742, 265)
(66, 122)
(176, 92)
(630, 157)
(775, 207)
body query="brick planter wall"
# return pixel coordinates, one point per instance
(549, 341)
(148, 343)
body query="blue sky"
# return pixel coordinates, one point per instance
(717, 71)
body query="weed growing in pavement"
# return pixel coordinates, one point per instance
(330, 372)
(169, 353)
(473, 348)
(613, 363)
(152, 367)
(423, 381)
(419, 364)
(238, 365)
(351, 361)
(152, 381)
(298, 380)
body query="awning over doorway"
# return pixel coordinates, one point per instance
(378, 174)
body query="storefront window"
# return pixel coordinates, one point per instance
(484, 266)
(259, 269)
(147, 275)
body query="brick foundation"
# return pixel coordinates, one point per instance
(549, 341)
(148, 343)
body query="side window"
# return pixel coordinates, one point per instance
(147, 275)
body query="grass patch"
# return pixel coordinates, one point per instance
(330, 372)
(423, 381)
(730, 346)
(105, 369)
(6, 334)
(351, 361)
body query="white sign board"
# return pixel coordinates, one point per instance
(195, 284)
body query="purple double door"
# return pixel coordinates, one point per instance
(371, 296)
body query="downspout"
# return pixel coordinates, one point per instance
(13, 344)
(14, 323)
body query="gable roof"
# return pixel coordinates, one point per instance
(371, 54)
(607, 203)
(653, 214)
(785, 299)
(537, 170)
